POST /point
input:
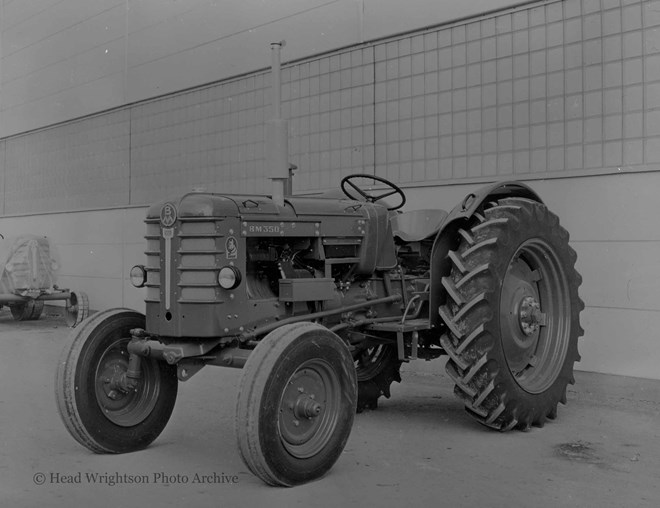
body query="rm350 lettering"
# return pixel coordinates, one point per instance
(263, 228)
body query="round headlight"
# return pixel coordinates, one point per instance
(138, 276)
(229, 277)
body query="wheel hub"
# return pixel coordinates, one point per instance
(307, 409)
(530, 316)
(121, 403)
(112, 378)
(535, 316)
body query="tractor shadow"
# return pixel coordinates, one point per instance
(426, 401)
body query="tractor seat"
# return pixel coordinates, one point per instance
(417, 225)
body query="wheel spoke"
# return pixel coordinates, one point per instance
(358, 189)
(384, 195)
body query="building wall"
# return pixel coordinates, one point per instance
(550, 90)
(65, 59)
(564, 95)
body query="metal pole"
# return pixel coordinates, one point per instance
(277, 136)
(275, 49)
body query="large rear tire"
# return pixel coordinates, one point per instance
(377, 368)
(296, 404)
(513, 315)
(96, 410)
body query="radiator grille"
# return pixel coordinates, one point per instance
(196, 248)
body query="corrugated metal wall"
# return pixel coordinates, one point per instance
(62, 59)
(549, 90)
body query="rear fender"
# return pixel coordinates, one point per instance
(448, 238)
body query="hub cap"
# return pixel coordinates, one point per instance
(530, 315)
(535, 316)
(309, 408)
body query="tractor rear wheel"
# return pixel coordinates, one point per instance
(377, 368)
(296, 404)
(96, 406)
(513, 315)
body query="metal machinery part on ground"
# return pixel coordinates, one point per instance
(28, 276)
(320, 300)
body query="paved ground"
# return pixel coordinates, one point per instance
(418, 449)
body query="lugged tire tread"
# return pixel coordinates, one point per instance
(468, 340)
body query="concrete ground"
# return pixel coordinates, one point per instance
(418, 449)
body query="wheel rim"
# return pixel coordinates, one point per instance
(309, 408)
(123, 407)
(535, 313)
(72, 309)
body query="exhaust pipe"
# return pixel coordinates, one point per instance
(277, 132)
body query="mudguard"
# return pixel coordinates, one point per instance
(447, 237)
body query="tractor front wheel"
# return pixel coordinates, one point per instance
(97, 407)
(296, 404)
(512, 314)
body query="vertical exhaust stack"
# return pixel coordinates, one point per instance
(277, 132)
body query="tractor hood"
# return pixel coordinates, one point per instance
(216, 205)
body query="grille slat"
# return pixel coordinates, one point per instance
(198, 243)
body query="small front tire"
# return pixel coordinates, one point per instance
(296, 404)
(95, 409)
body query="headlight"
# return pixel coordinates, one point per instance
(138, 276)
(229, 277)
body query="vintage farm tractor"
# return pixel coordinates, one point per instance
(320, 300)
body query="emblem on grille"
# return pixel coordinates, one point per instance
(231, 248)
(168, 215)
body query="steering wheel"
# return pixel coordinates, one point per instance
(371, 198)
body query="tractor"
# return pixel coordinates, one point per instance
(320, 299)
